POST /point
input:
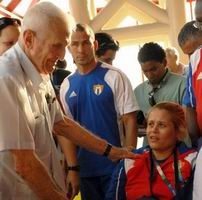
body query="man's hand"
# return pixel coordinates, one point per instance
(120, 153)
(73, 184)
(78, 135)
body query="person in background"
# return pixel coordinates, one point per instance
(97, 96)
(29, 164)
(9, 32)
(164, 168)
(106, 52)
(173, 64)
(162, 85)
(189, 39)
(194, 99)
(107, 47)
(59, 74)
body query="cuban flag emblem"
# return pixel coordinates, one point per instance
(98, 89)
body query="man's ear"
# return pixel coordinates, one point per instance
(28, 37)
(164, 62)
(95, 45)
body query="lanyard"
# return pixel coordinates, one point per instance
(165, 180)
(178, 176)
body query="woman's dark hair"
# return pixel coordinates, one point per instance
(105, 42)
(151, 52)
(7, 21)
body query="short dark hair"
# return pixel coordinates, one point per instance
(7, 21)
(84, 28)
(151, 51)
(62, 64)
(105, 42)
(188, 32)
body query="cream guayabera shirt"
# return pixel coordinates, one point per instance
(28, 111)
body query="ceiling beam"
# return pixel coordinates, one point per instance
(12, 5)
(7, 13)
(136, 32)
(105, 14)
(151, 9)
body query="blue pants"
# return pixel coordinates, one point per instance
(94, 188)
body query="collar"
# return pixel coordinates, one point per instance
(199, 47)
(98, 64)
(162, 81)
(30, 70)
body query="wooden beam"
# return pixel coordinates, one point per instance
(105, 14)
(12, 5)
(151, 9)
(136, 32)
(7, 13)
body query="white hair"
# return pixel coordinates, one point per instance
(173, 52)
(44, 16)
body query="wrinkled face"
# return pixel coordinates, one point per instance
(190, 46)
(153, 70)
(161, 133)
(47, 48)
(82, 47)
(171, 60)
(108, 57)
(8, 37)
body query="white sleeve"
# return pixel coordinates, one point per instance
(197, 194)
(63, 90)
(124, 97)
(16, 117)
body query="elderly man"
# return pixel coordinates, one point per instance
(29, 167)
(97, 96)
(9, 32)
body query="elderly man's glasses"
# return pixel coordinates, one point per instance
(6, 21)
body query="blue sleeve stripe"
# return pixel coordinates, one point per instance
(189, 99)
